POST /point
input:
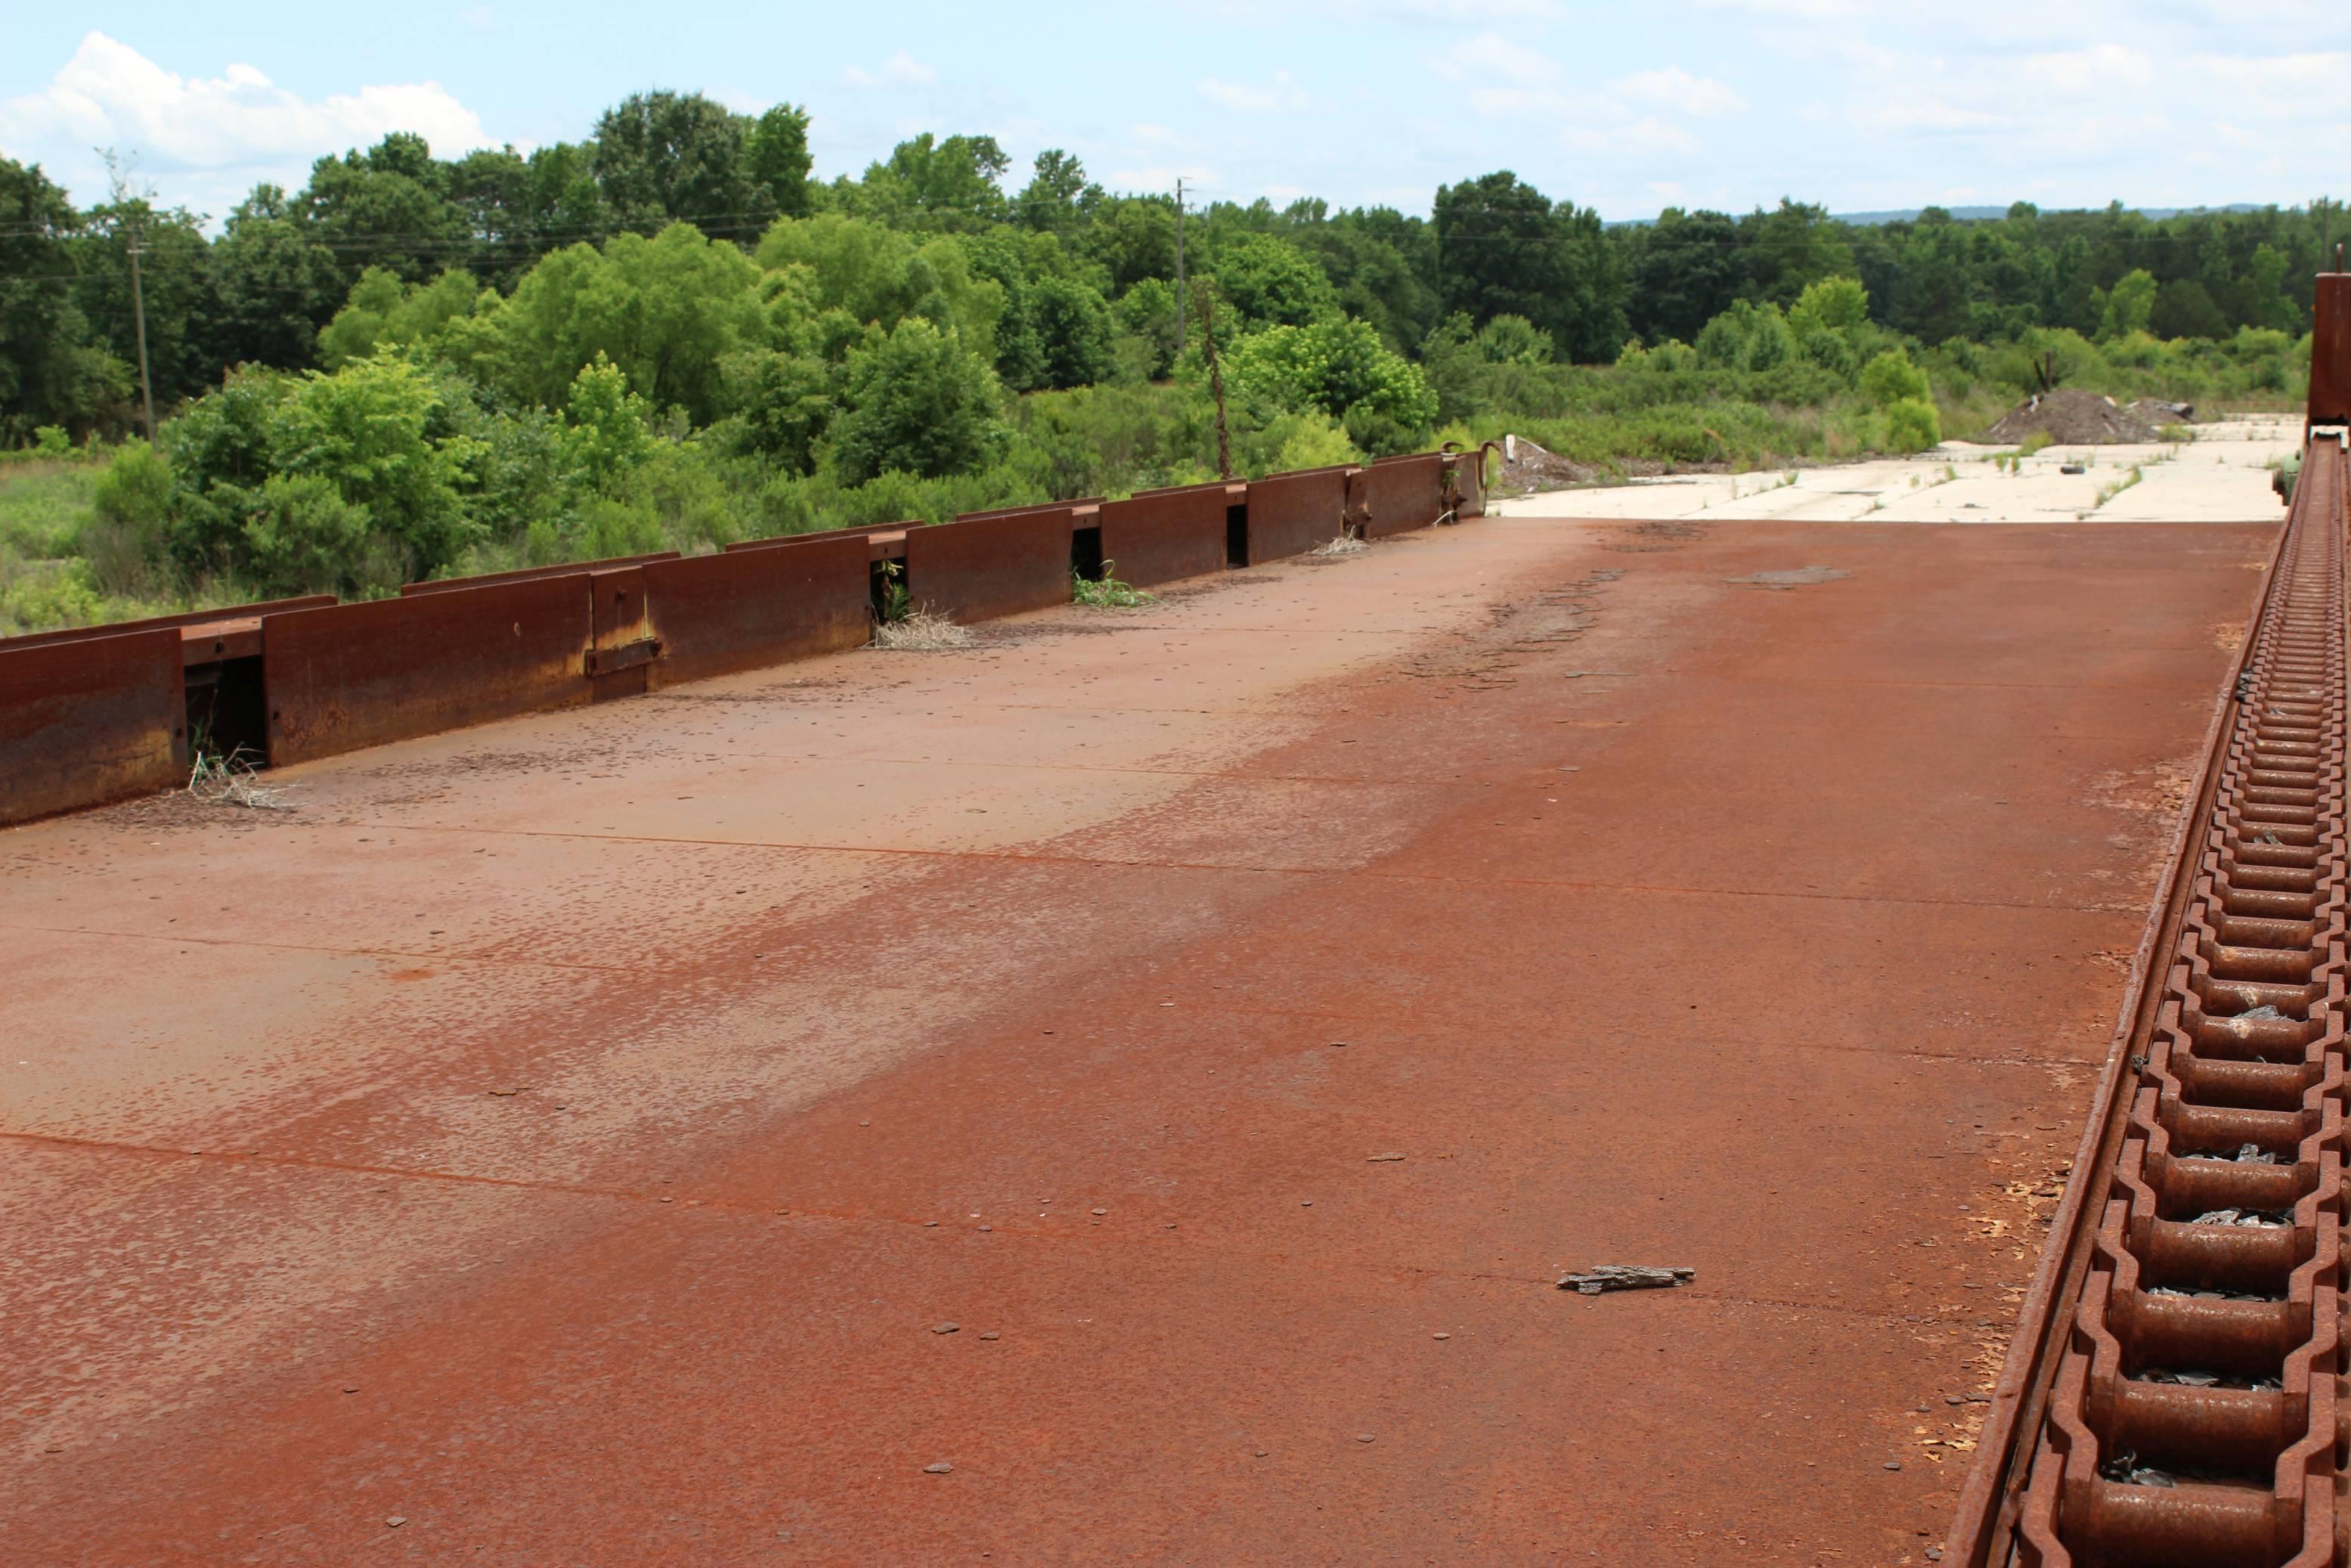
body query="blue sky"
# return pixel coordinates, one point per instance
(1725, 103)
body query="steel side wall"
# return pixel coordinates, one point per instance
(187, 617)
(863, 531)
(1169, 535)
(88, 722)
(981, 567)
(1404, 493)
(720, 614)
(364, 674)
(2330, 350)
(531, 573)
(1289, 514)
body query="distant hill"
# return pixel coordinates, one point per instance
(1970, 214)
(1976, 215)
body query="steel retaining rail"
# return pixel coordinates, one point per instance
(99, 714)
(2171, 1397)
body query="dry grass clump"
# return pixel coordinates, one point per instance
(920, 632)
(234, 781)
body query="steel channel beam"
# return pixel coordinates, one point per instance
(2171, 1393)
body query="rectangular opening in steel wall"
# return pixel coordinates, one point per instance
(1086, 553)
(1237, 535)
(227, 716)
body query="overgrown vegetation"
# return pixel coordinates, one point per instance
(673, 335)
(1107, 593)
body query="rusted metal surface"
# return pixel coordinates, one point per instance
(1289, 514)
(360, 674)
(210, 642)
(1164, 535)
(2330, 350)
(1404, 493)
(1466, 480)
(716, 615)
(565, 1139)
(863, 531)
(980, 567)
(531, 573)
(90, 720)
(2173, 1395)
(621, 645)
(187, 619)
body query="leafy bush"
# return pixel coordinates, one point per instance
(1891, 377)
(919, 403)
(1912, 425)
(302, 536)
(126, 538)
(1338, 368)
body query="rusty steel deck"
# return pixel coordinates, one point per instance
(1127, 1091)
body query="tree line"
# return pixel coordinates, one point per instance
(1086, 278)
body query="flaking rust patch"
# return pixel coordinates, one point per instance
(2228, 635)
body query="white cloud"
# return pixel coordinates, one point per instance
(1490, 56)
(1240, 98)
(2076, 71)
(111, 95)
(901, 70)
(1674, 88)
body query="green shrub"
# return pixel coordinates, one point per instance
(302, 536)
(1912, 425)
(918, 400)
(126, 538)
(1891, 377)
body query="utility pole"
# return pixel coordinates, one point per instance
(1179, 266)
(138, 309)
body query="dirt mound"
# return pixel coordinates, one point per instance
(2072, 418)
(1527, 467)
(2158, 413)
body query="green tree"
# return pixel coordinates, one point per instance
(1059, 197)
(50, 372)
(2127, 305)
(953, 185)
(383, 312)
(385, 207)
(380, 430)
(606, 427)
(784, 403)
(918, 403)
(665, 158)
(878, 276)
(1269, 282)
(780, 158)
(666, 310)
(273, 285)
(176, 286)
(1503, 248)
(1335, 367)
(1686, 271)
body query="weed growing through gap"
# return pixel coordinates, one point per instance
(1109, 593)
(894, 606)
(2108, 492)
